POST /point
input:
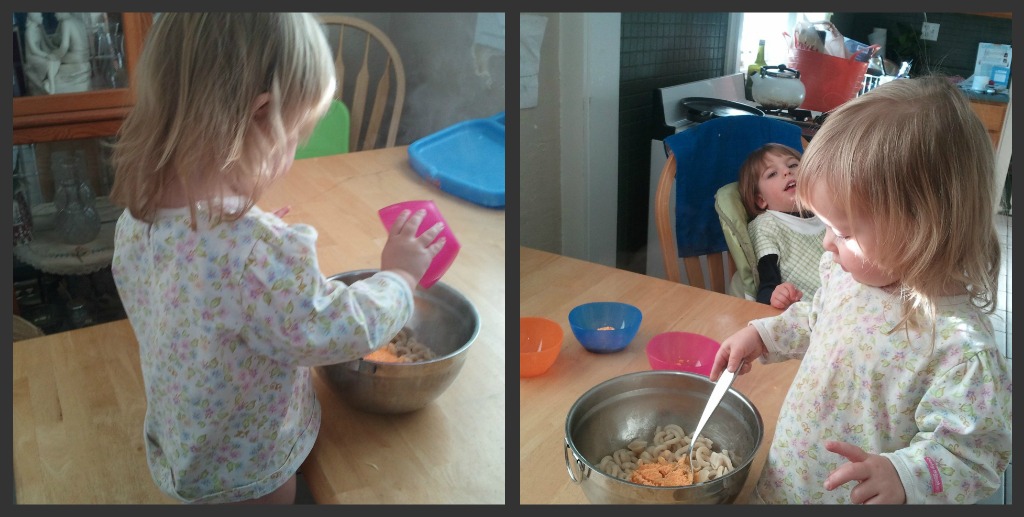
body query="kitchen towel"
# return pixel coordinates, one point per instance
(708, 156)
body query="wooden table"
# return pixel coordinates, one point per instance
(79, 401)
(550, 286)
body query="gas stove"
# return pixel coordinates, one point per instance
(670, 118)
(792, 114)
(809, 124)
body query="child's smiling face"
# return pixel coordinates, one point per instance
(776, 185)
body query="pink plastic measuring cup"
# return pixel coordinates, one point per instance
(446, 256)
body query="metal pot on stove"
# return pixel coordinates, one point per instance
(778, 87)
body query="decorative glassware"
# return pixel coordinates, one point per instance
(108, 55)
(22, 216)
(22, 210)
(77, 220)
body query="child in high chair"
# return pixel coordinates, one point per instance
(227, 301)
(787, 241)
(902, 395)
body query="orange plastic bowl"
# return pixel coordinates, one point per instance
(682, 352)
(540, 341)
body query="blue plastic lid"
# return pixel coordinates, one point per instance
(466, 160)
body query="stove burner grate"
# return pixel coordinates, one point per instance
(796, 114)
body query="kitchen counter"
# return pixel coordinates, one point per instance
(992, 98)
(991, 110)
(550, 286)
(79, 404)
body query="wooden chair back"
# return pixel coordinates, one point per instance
(365, 57)
(663, 219)
(720, 267)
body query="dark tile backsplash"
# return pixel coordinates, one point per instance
(657, 50)
(956, 48)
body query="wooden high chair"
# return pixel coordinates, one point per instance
(712, 154)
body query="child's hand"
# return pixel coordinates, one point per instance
(879, 483)
(785, 294)
(746, 345)
(281, 212)
(407, 254)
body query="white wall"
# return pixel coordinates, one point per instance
(540, 191)
(447, 79)
(1005, 152)
(586, 52)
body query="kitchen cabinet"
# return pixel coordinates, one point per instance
(60, 285)
(991, 115)
(88, 114)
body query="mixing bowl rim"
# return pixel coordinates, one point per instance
(650, 373)
(472, 338)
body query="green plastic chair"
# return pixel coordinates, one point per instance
(330, 135)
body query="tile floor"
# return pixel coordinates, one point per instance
(1002, 320)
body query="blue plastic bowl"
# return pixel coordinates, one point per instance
(623, 318)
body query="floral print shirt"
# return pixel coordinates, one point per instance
(229, 320)
(940, 411)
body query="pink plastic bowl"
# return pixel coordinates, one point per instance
(682, 352)
(443, 260)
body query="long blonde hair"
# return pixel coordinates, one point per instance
(193, 120)
(912, 158)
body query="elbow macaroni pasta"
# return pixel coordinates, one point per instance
(670, 445)
(403, 348)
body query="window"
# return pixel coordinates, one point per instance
(770, 27)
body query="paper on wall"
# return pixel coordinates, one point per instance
(490, 30)
(488, 42)
(531, 35)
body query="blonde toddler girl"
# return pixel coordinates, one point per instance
(227, 301)
(901, 395)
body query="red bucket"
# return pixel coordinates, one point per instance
(828, 80)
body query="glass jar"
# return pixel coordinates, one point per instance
(78, 312)
(22, 204)
(22, 214)
(77, 220)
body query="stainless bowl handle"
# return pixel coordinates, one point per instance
(583, 469)
(362, 366)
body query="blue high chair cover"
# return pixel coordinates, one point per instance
(709, 156)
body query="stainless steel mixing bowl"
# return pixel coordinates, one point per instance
(444, 320)
(621, 409)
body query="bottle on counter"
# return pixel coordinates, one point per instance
(754, 69)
